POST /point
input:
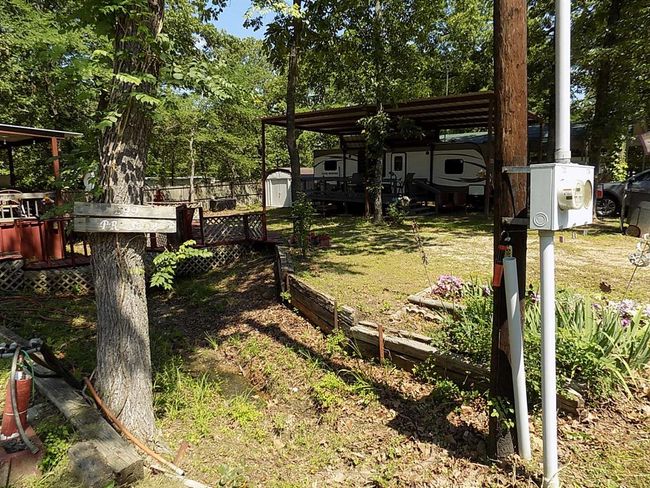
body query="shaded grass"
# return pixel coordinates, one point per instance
(275, 433)
(375, 268)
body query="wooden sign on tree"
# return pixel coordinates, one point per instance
(123, 218)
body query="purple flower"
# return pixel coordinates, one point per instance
(486, 291)
(448, 286)
(533, 296)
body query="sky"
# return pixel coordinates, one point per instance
(232, 18)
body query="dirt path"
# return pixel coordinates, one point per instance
(266, 400)
(327, 418)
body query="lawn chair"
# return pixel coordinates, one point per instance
(357, 183)
(405, 187)
(11, 204)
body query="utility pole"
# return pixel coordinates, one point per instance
(510, 199)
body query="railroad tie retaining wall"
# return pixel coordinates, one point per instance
(405, 349)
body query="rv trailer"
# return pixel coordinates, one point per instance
(412, 171)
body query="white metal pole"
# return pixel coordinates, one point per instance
(517, 355)
(563, 81)
(549, 400)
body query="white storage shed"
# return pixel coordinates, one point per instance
(277, 185)
(278, 188)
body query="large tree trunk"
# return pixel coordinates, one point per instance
(511, 130)
(375, 190)
(377, 162)
(292, 83)
(123, 352)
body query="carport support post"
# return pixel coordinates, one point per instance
(12, 170)
(57, 170)
(511, 140)
(264, 180)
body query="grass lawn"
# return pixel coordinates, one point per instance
(266, 400)
(375, 268)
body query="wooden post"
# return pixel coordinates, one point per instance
(431, 146)
(54, 142)
(511, 131)
(247, 230)
(12, 171)
(489, 164)
(264, 168)
(201, 226)
(380, 338)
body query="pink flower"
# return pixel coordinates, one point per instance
(448, 286)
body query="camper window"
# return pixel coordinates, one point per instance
(398, 164)
(330, 165)
(454, 166)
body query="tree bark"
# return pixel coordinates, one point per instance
(293, 72)
(380, 94)
(511, 131)
(375, 191)
(123, 350)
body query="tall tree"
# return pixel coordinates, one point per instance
(123, 351)
(283, 40)
(366, 52)
(293, 72)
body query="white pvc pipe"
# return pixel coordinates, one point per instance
(515, 335)
(563, 81)
(549, 399)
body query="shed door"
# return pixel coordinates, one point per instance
(280, 193)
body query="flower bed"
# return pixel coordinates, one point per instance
(600, 346)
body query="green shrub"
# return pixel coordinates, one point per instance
(471, 334)
(302, 212)
(397, 211)
(57, 439)
(166, 263)
(598, 347)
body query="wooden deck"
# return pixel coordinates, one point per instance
(347, 197)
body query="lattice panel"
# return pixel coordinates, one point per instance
(225, 228)
(11, 275)
(256, 226)
(221, 256)
(75, 281)
(160, 240)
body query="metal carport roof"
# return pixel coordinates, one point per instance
(470, 110)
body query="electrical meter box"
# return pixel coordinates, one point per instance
(561, 196)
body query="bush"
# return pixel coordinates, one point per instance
(166, 263)
(397, 211)
(599, 347)
(302, 212)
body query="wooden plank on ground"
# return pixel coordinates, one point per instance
(405, 348)
(457, 366)
(120, 456)
(436, 304)
(311, 312)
